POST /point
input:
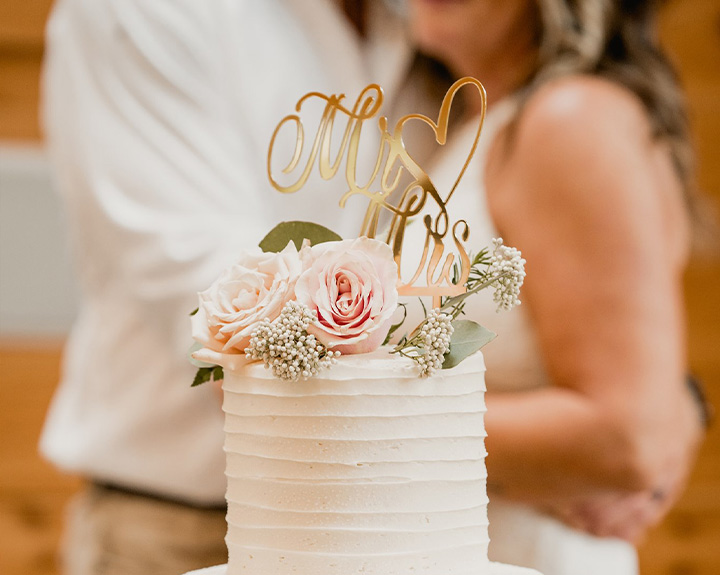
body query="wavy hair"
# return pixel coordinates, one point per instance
(616, 39)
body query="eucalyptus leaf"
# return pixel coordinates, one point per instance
(468, 337)
(296, 232)
(205, 374)
(218, 373)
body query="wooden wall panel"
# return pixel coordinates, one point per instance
(22, 22)
(21, 46)
(686, 543)
(33, 494)
(19, 96)
(690, 31)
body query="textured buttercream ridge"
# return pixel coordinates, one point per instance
(353, 450)
(253, 514)
(378, 364)
(354, 529)
(365, 428)
(352, 405)
(251, 466)
(480, 545)
(232, 455)
(382, 385)
(369, 482)
(454, 561)
(423, 496)
(374, 542)
(379, 480)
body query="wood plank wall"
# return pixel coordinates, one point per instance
(33, 494)
(21, 48)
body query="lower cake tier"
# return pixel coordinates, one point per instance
(363, 469)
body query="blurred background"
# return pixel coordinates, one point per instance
(38, 301)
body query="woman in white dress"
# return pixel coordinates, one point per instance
(583, 165)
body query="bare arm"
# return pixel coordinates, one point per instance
(592, 202)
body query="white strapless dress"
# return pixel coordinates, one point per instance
(518, 534)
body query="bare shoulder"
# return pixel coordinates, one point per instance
(584, 144)
(571, 107)
(590, 197)
(573, 122)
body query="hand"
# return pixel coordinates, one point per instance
(626, 517)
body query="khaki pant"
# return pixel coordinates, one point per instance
(112, 532)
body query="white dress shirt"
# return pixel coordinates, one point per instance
(158, 117)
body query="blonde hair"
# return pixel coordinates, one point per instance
(616, 39)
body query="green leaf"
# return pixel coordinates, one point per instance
(193, 312)
(296, 232)
(456, 274)
(468, 337)
(205, 374)
(396, 326)
(218, 373)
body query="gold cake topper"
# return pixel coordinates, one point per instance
(449, 279)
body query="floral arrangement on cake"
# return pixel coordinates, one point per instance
(306, 296)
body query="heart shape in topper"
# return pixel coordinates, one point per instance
(440, 128)
(390, 169)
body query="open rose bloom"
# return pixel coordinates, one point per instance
(352, 285)
(255, 288)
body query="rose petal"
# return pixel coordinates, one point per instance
(353, 286)
(253, 289)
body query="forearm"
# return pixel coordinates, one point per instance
(553, 445)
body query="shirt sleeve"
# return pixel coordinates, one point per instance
(159, 184)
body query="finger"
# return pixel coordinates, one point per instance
(636, 516)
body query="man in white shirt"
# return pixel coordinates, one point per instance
(158, 116)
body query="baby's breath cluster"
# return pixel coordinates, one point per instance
(285, 346)
(429, 343)
(507, 265)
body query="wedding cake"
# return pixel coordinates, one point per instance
(346, 456)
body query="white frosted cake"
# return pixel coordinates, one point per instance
(364, 468)
(342, 460)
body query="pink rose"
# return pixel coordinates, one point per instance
(255, 288)
(352, 284)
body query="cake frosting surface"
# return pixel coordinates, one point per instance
(363, 469)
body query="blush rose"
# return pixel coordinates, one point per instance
(352, 285)
(253, 289)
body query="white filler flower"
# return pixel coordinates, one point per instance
(508, 266)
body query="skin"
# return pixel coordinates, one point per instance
(592, 201)
(495, 37)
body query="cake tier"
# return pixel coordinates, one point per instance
(363, 469)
